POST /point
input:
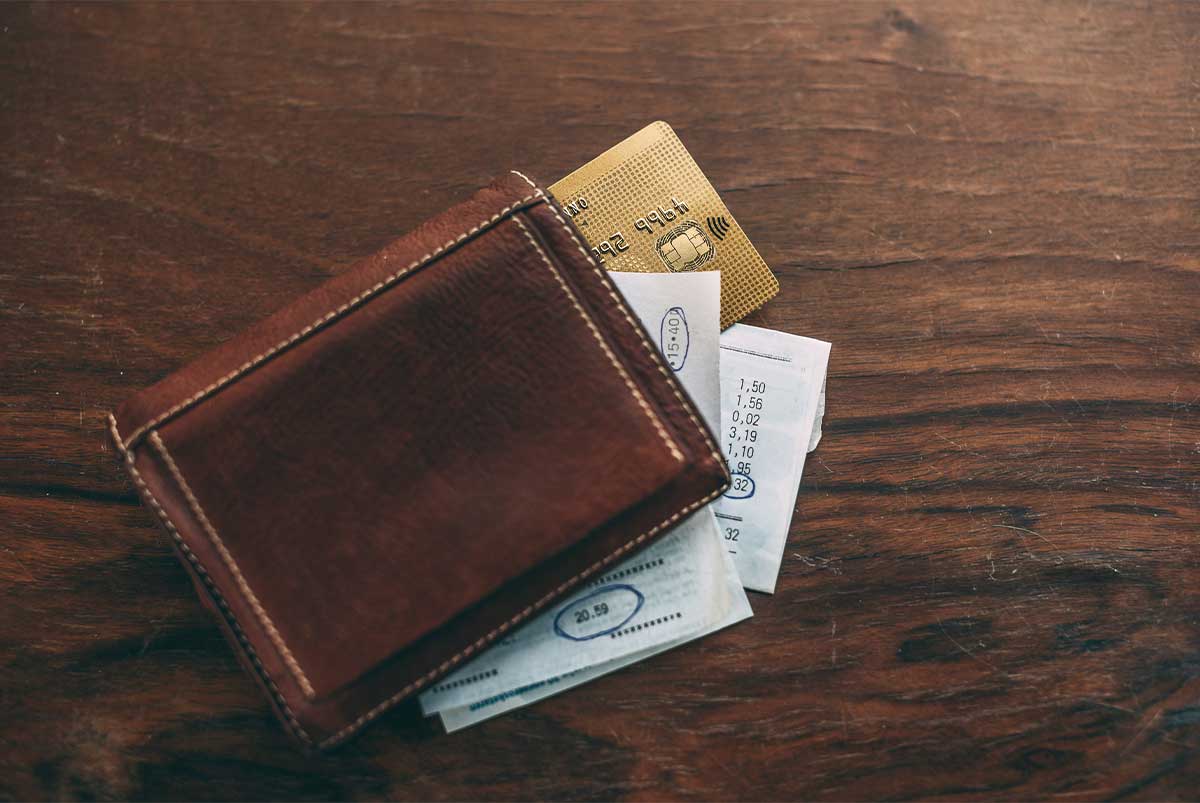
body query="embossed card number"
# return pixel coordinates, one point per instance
(644, 206)
(650, 223)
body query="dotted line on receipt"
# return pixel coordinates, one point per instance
(647, 625)
(632, 570)
(454, 684)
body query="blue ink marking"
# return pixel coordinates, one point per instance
(616, 588)
(674, 346)
(745, 492)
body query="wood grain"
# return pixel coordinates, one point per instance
(992, 588)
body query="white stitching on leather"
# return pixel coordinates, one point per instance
(454, 660)
(654, 354)
(482, 642)
(526, 178)
(116, 435)
(148, 495)
(358, 299)
(457, 658)
(231, 564)
(637, 394)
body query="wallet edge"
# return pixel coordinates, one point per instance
(244, 647)
(143, 429)
(127, 447)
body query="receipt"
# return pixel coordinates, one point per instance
(682, 313)
(771, 390)
(816, 433)
(670, 592)
(458, 718)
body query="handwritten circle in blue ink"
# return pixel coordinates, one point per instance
(605, 610)
(740, 490)
(673, 337)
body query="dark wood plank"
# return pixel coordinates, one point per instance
(992, 588)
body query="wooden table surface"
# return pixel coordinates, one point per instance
(992, 210)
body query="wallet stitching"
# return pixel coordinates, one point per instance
(517, 619)
(324, 319)
(526, 179)
(633, 389)
(231, 564)
(125, 447)
(713, 450)
(230, 618)
(457, 658)
(650, 350)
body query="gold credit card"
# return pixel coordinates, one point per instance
(644, 206)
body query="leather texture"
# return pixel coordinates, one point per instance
(374, 483)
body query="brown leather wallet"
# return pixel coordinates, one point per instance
(379, 480)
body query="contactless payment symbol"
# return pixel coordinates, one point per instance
(719, 226)
(685, 247)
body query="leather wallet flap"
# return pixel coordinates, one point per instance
(438, 433)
